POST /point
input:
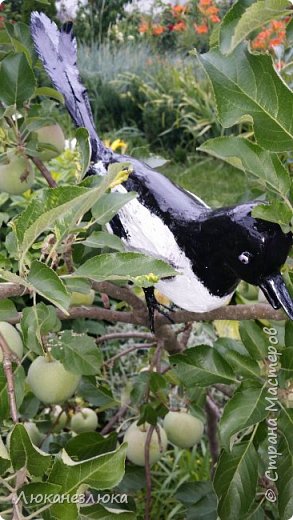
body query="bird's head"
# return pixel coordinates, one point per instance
(252, 250)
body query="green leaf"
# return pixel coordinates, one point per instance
(41, 489)
(285, 425)
(49, 205)
(245, 408)
(285, 483)
(7, 310)
(78, 353)
(277, 212)
(96, 396)
(230, 22)
(253, 339)
(25, 454)
(266, 167)
(38, 321)
(200, 500)
(236, 480)
(240, 90)
(50, 92)
(289, 334)
(85, 149)
(100, 472)
(98, 512)
(287, 362)
(202, 366)
(17, 80)
(48, 284)
(242, 364)
(101, 239)
(123, 266)
(90, 444)
(77, 284)
(19, 385)
(108, 205)
(245, 18)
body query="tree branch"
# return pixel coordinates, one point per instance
(120, 293)
(148, 504)
(213, 416)
(114, 419)
(44, 171)
(7, 365)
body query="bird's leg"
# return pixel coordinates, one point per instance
(153, 305)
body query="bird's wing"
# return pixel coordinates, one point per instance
(58, 53)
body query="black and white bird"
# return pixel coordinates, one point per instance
(212, 249)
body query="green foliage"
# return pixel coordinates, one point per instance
(48, 7)
(94, 19)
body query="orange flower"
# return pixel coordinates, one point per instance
(178, 9)
(215, 19)
(204, 3)
(158, 30)
(143, 27)
(201, 29)
(276, 41)
(277, 25)
(212, 10)
(179, 26)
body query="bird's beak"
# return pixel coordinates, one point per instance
(277, 294)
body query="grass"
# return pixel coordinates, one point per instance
(217, 183)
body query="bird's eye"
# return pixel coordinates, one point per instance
(245, 257)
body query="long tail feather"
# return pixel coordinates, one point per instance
(58, 52)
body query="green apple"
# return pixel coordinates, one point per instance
(3, 450)
(183, 429)
(17, 175)
(85, 420)
(50, 381)
(78, 298)
(53, 135)
(12, 338)
(59, 418)
(136, 437)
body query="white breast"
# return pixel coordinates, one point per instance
(146, 233)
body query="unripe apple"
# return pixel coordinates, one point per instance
(12, 338)
(85, 420)
(50, 381)
(78, 298)
(183, 429)
(136, 437)
(53, 135)
(3, 450)
(17, 175)
(59, 419)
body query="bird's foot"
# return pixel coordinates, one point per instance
(153, 305)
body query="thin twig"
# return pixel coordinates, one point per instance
(114, 419)
(139, 346)
(120, 293)
(7, 366)
(213, 416)
(148, 477)
(126, 335)
(44, 171)
(185, 335)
